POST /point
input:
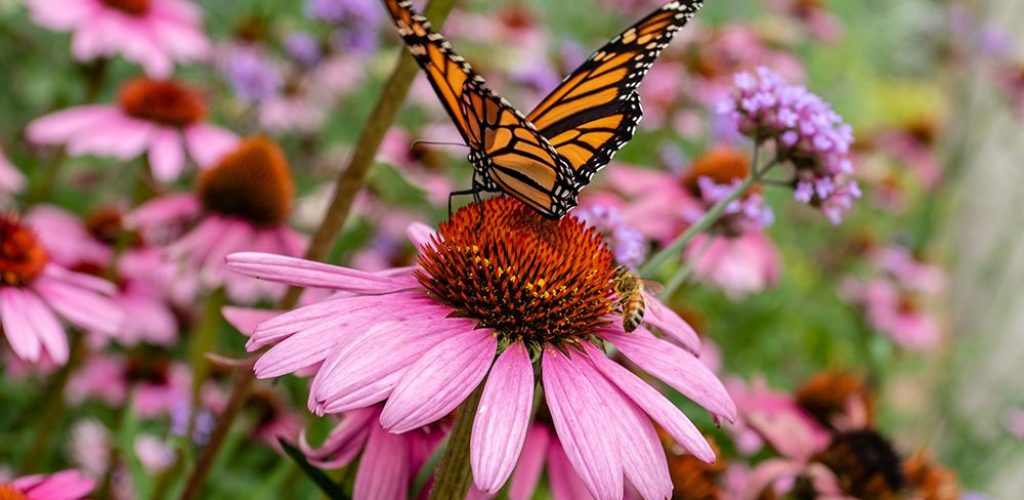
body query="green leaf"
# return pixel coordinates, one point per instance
(327, 487)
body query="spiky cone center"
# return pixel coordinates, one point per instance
(165, 102)
(722, 164)
(865, 464)
(106, 224)
(131, 7)
(252, 182)
(929, 480)
(148, 370)
(9, 492)
(827, 396)
(523, 276)
(22, 256)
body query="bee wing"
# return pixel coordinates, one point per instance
(652, 287)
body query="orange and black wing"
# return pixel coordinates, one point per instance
(447, 72)
(506, 149)
(596, 109)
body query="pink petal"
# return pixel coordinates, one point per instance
(83, 308)
(246, 319)
(20, 332)
(364, 308)
(643, 457)
(657, 406)
(531, 461)
(676, 367)
(384, 469)
(420, 234)
(46, 327)
(300, 272)
(60, 126)
(119, 136)
(64, 485)
(344, 442)
(669, 323)
(439, 381)
(166, 157)
(367, 368)
(80, 280)
(208, 143)
(502, 418)
(566, 484)
(164, 210)
(765, 474)
(582, 424)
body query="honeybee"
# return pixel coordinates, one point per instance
(629, 288)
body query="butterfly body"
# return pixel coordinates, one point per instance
(545, 158)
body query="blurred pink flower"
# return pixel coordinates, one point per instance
(740, 265)
(814, 15)
(148, 316)
(65, 485)
(775, 418)
(398, 340)
(34, 291)
(154, 384)
(897, 300)
(240, 204)
(389, 461)
(152, 33)
(11, 179)
(162, 117)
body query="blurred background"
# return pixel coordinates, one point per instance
(919, 289)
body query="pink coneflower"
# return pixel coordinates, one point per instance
(34, 291)
(88, 247)
(11, 179)
(242, 203)
(162, 117)
(542, 450)
(389, 461)
(897, 300)
(741, 265)
(65, 485)
(153, 33)
(510, 285)
(154, 384)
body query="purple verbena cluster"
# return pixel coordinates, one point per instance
(252, 75)
(358, 21)
(626, 242)
(806, 132)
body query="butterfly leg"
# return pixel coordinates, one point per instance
(475, 191)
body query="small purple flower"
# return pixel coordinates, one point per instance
(356, 19)
(748, 213)
(806, 133)
(303, 48)
(252, 75)
(626, 242)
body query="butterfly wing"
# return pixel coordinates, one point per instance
(507, 150)
(596, 109)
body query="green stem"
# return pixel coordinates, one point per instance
(705, 222)
(204, 340)
(684, 271)
(454, 475)
(53, 406)
(348, 184)
(43, 182)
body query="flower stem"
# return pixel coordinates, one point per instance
(705, 222)
(348, 184)
(454, 475)
(684, 271)
(204, 340)
(53, 406)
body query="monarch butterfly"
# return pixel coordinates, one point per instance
(545, 158)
